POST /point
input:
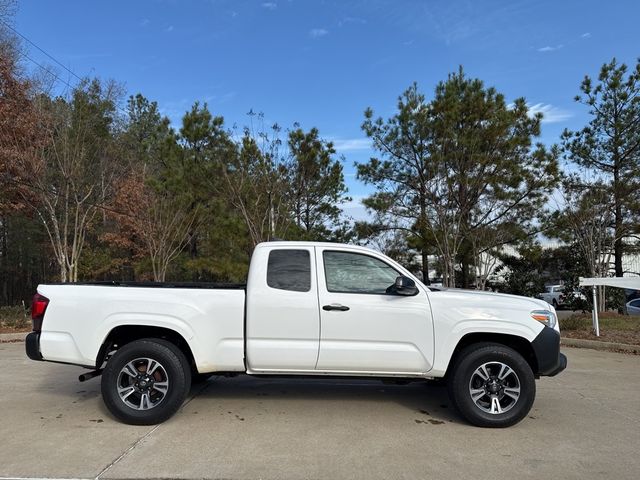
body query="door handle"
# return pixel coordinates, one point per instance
(336, 306)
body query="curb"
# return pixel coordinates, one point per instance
(12, 337)
(597, 345)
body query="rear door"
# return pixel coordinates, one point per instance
(364, 329)
(283, 322)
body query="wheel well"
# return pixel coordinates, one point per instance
(519, 344)
(124, 334)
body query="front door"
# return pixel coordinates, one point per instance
(362, 328)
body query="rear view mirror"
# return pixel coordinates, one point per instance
(404, 286)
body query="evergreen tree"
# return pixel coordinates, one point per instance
(460, 172)
(316, 185)
(609, 145)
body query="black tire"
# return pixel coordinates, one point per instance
(165, 389)
(493, 404)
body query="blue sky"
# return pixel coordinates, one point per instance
(321, 63)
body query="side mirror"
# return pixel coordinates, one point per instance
(404, 286)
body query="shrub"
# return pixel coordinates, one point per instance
(575, 322)
(14, 317)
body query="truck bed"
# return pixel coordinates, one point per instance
(209, 316)
(204, 285)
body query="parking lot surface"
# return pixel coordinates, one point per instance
(585, 423)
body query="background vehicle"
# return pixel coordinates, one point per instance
(633, 307)
(307, 309)
(557, 296)
(553, 295)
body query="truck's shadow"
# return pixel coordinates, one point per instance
(427, 400)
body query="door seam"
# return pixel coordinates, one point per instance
(315, 261)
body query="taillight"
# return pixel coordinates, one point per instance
(38, 307)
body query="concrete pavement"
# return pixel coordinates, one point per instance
(585, 424)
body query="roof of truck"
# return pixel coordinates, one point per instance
(300, 243)
(289, 243)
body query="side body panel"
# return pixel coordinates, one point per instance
(80, 317)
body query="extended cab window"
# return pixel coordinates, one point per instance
(289, 270)
(356, 273)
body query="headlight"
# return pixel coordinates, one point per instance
(544, 316)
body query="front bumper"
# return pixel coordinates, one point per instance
(32, 345)
(560, 366)
(546, 347)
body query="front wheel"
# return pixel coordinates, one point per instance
(145, 382)
(492, 385)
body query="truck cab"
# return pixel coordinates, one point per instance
(329, 308)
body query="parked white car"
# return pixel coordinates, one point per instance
(633, 307)
(308, 309)
(553, 295)
(557, 296)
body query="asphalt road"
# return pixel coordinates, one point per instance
(585, 424)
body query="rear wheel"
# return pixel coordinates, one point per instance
(492, 385)
(145, 382)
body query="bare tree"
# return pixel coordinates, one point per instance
(71, 175)
(165, 230)
(588, 217)
(151, 221)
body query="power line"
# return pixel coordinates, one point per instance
(50, 72)
(42, 50)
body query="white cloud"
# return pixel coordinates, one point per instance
(549, 48)
(347, 20)
(270, 5)
(318, 32)
(585, 35)
(226, 97)
(351, 144)
(169, 29)
(356, 210)
(144, 22)
(550, 114)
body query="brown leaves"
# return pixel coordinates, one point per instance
(149, 222)
(21, 133)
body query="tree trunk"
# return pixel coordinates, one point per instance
(4, 261)
(425, 266)
(617, 246)
(464, 265)
(423, 232)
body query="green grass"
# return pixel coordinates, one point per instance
(14, 318)
(607, 321)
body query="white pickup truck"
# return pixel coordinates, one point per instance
(307, 309)
(553, 295)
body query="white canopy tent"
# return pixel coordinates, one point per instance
(631, 283)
